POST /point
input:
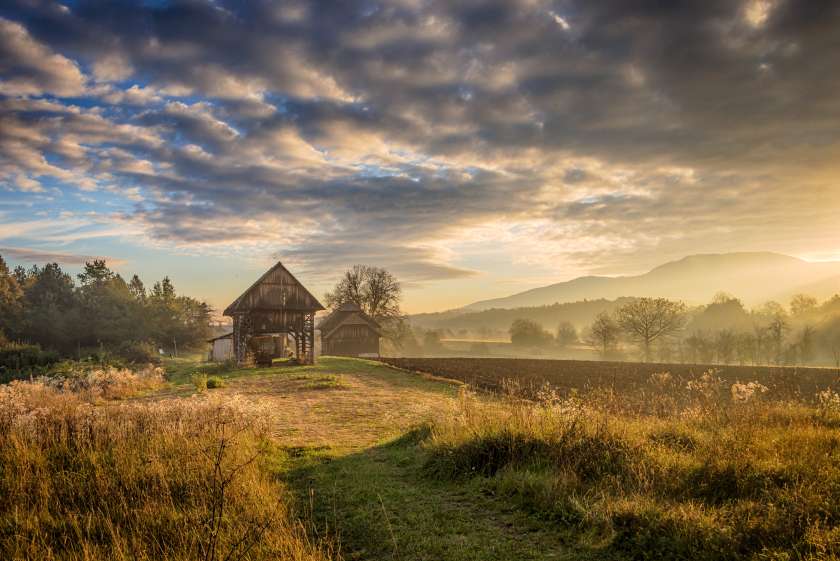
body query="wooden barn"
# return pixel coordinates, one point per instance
(273, 310)
(349, 331)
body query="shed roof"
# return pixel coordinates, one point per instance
(225, 336)
(276, 289)
(347, 314)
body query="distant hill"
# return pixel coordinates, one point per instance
(578, 313)
(753, 277)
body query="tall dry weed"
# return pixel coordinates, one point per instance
(721, 473)
(177, 479)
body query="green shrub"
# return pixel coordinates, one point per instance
(218, 367)
(588, 456)
(101, 356)
(19, 361)
(214, 382)
(199, 380)
(138, 352)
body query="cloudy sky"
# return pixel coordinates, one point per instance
(474, 148)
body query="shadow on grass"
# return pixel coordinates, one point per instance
(378, 504)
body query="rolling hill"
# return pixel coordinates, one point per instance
(753, 277)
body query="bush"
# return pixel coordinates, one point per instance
(101, 357)
(214, 382)
(18, 361)
(218, 367)
(199, 380)
(138, 352)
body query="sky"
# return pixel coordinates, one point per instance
(473, 148)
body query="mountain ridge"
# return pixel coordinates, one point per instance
(754, 277)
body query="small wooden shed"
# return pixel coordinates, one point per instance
(221, 348)
(273, 309)
(349, 331)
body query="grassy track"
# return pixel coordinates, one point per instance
(339, 424)
(381, 507)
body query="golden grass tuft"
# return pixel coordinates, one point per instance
(742, 479)
(180, 479)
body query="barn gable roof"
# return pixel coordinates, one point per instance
(276, 289)
(347, 314)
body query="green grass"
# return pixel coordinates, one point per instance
(322, 382)
(378, 504)
(179, 371)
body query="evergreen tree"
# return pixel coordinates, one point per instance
(10, 301)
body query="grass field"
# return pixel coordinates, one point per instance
(360, 461)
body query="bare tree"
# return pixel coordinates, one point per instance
(604, 333)
(761, 352)
(373, 289)
(725, 345)
(805, 345)
(802, 305)
(647, 319)
(776, 331)
(745, 348)
(566, 334)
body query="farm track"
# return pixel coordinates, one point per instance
(340, 425)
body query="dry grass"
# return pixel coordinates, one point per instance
(704, 479)
(180, 479)
(344, 405)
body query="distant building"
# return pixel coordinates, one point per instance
(349, 331)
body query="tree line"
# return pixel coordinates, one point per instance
(98, 310)
(724, 332)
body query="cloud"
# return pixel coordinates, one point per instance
(28, 184)
(112, 67)
(348, 132)
(30, 255)
(28, 67)
(134, 95)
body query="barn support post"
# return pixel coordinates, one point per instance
(241, 336)
(309, 336)
(237, 344)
